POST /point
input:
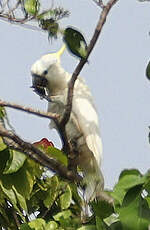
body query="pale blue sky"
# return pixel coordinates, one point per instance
(116, 76)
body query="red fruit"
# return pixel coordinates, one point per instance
(44, 142)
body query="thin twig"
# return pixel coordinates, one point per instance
(48, 115)
(79, 67)
(21, 22)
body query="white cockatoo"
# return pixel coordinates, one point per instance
(83, 126)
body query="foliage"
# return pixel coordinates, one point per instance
(47, 20)
(33, 198)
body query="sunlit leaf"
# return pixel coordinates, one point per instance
(57, 154)
(52, 225)
(2, 112)
(88, 227)
(15, 162)
(75, 42)
(111, 219)
(66, 198)
(32, 6)
(37, 224)
(64, 214)
(2, 145)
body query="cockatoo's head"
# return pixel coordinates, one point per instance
(44, 70)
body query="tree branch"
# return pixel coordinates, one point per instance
(15, 142)
(48, 115)
(79, 67)
(99, 3)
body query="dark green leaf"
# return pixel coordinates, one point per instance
(127, 180)
(25, 227)
(102, 208)
(148, 71)
(52, 193)
(100, 224)
(75, 42)
(22, 180)
(134, 213)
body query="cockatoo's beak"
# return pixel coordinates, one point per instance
(39, 84)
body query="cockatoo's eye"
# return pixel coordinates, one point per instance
(45, 72)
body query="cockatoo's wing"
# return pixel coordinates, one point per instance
(86, 114)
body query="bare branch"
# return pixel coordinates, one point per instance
(15, 142)
(79, 67)
(48, 115)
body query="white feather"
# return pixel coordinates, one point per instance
(83, 126)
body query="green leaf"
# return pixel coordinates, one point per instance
(134, 213)
(32, 6)
(66, 198)
(20, 199)
(148, 71)
(15, 162)
(11, 197)
(9, 193)
(62, 215)
(52, 192)
(25, 227)
(111, 219)
(2, 145)
(127, 180)
(57, 154)
(102, 208)
(75, 42)
(46, 15)
(148, 200)
(99, 224)
(88, 227)
(37, 224)
(52, 225)
(22, 181)
(2, 112)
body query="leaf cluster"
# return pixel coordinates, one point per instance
(31, 197)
